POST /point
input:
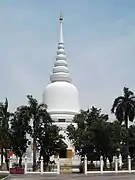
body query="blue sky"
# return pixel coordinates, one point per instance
(99, 37)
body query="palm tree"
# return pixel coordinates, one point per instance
(4, 130)
(37, 112)
(124, 107)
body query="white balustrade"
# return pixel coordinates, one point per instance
(116, 163)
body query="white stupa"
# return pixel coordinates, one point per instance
(60, 95)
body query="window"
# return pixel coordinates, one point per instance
(61, 120)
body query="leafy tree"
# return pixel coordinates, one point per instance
(4, 131)
(19, 129)
(131, 141)
(102, 140)
(37, 114)
(91, 137)
(124, 107)
(49, 141)
(95, 135)
(81, 137)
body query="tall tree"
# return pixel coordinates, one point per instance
(124, 107)
(37, 113)
(18, 132)
(4, 130)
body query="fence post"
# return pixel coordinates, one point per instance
(25, 166)
(10, 162)
(58, 165)
(85, 165)
(116, 164)
(41, 165)
(101, 164)
(129, 164)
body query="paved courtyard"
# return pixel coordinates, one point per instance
(76, 177)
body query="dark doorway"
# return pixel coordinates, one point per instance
(63, 153)
(63, 150)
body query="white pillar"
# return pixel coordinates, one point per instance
(25, 165)
(116, 164)
(85, 165)
(58, 165)
(10, 162)
(41, 165)
(107, 163)
(120, 161)
(129, 164)
(101, 164)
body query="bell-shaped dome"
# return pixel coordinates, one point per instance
(61, 97)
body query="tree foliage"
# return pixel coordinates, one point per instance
(18, 132)
(49, 141)
(37, 115)
(95, 135)
(124, 110)
(124, 107)
(91, 137)
(4, 130)
(34, 120)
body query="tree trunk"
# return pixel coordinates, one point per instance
(45, 163)
(110, 161)
(126, 121)
(2, 153)
(34, 154)
(105, 162)
(6, 160)
(126, 124)
(20, 162)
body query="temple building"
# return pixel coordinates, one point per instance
(61, 95)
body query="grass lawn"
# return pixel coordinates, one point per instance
(2, 176)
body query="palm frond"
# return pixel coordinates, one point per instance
(117, 101)
(127, 92)
(42, 106)
(119, 113)
(32, 101)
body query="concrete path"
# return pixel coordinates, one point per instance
(75, 177)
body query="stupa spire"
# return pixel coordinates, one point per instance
(61, 30)
(60, 69)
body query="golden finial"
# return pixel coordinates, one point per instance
(61, 17)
